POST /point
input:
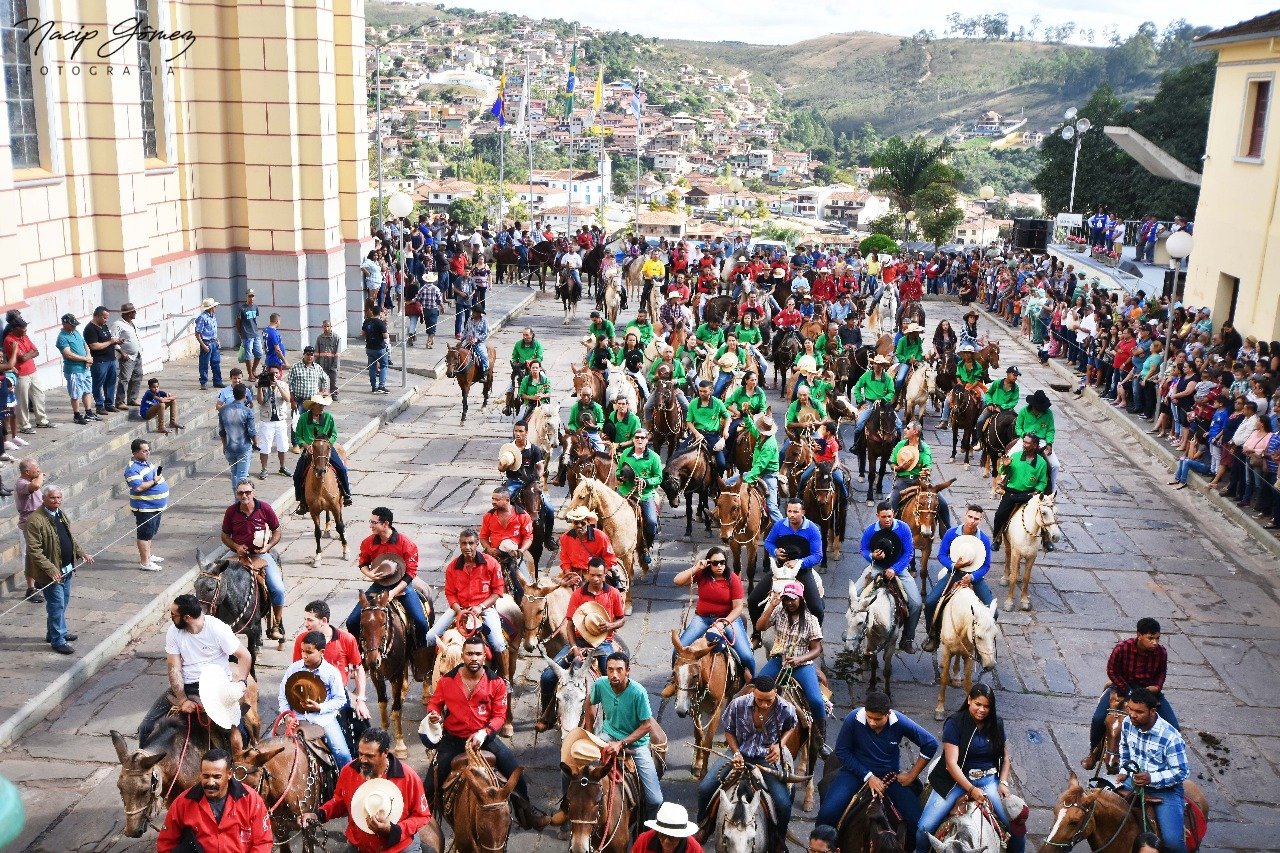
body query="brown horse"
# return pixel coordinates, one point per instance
(481, 816)
(320, 491)
(384, 645)
(1108, 749)
(545, 608)
(706, 677)
(667, 424)
(946, 378)
(599, 810)
(878, 439)
(965, 408)
(989, 356)
(865, 826)
(801, 740)
(691, 474)
(584, 462)
(542, 256)
(743, 521)
(292, 776)
(742, 452)
(591, 379)
(461, 364)
(786, 345)
(825, 507)
(798, 455)
(1105, 818)
(918, 507)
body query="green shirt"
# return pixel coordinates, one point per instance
(530, 389)
(748, 336)
(741, 354)
(709, 336)
(926, 458)
(1036, 423)
(677, 371)
(648, 470)
(522, 353)
(645, 332)
(764, 459)
(819, 389)
(793, 411)
(817, 358)
(1024, 476)
(604, 327)
(748, 404)
(623, 712)
(1002, 397)
(308, 430)
(909, 350)
(706, 418)
(821, 343)
(624, 430)
(596, 411)
(968, 375)
(870, 389)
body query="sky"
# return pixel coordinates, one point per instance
(774, 22)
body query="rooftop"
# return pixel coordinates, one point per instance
(1263, 26)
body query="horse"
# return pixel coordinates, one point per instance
(1105, 818)
(879, 436)
(609, 298)
(586, 462)
(989, 355)
(690, 474)
(706, 676)
(320, 491)
(920, 386)
(723, 309)
(883, 316)
(293, 774)
(569, 292)
(741, 453)
(1022, 543)
(965, 408)
(460, 364)
(879, 627)
(968, 831)
(617, 520)
(481, 814)
(227, 589)
(824, 506)
(946, 376)
(573, 683)
(586, 378)
(544, 607)
(529, 498)
(667, 423)
(506, 264)
(599, 809)
(592, 262)
(542, 259)
(997, 434)
(741, 514)
(621, 386)
(786, 346)
(871, 831)
(743, 823)
(384, 645)
(545, 428)
(1108, 749)
(968, 635)
(918, 507)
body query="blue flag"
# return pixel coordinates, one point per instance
(498, 110)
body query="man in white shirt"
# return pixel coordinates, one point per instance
(323, 714)
(129, 377)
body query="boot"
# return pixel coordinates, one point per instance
(931, 642)
(820, 732)
(302, 507)
(527, 815)
(562, 471)
(670, 689)
(276, 631)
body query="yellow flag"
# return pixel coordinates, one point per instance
(597, 101)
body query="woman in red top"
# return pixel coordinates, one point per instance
(720, 604)
(670, 831)
(789, 317)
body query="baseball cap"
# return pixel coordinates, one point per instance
(69, 319)
(793, 589)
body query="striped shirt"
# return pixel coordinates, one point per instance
(305, 380)
(154, 499)
(754, 742)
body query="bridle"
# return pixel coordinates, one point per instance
(740, 523)
(384, 647)
(147, 809)
(245, 617)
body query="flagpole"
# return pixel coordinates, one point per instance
(569, 114)
(528, 136)
(639, 124)
(502, 149)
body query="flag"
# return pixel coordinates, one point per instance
(597, 101)
(636, 109)
(499, 108)
(573, 77)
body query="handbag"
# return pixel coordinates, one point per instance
(413, 308)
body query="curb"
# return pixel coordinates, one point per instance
(1160, 451)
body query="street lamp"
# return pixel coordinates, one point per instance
(1178, 246)
(911, 221)
(986, 192)
(1075, 128)
(401, 206)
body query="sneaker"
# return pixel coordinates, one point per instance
(27, 430)
(156, 559)
(79, 418)
(21, 442)
(204, 386)
(148, 567)
(92, 416)
(12, 445)
(262, 475)
(8, 457)
(284, 473)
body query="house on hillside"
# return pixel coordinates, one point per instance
(440, 194)
(584, 187)
(661, 223)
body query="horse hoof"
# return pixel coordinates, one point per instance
(344, 552)
(1008, 605)
(1026, 604)
(862, 478)
(871, 503)
(966, 466)
(939, 714)
(402, 751)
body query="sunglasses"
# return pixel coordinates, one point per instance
(715, 562)
(243, 494)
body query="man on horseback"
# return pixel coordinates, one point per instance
(652, 270)
(1036, 419)
(960, 572)
(1001, 397)
(469, 706)
(1025, 474)
(668, 367)
(796, 538)
(826, 451)
(753, 726)
(630, 357)
(708, 337)
(873, 386)
(250, 529)
(621, 425)
(911, 459)
(886, 560)
(526, 350)
(236, 814)
(533, 390)
(322, 713)
(341, 649)
(530, 469)
(601, 328)
(474, 335)
(640, 469)
(1137, 662)
(628, 720)
(1156, 747)
(473, 583)
(387, 541)
(764, 463)
(507, 522)
(318, 423)
(869, 748)
(709, 417)
(909, 352)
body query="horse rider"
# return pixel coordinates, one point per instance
(804, 413)
(788, 320)
(642, 327)
(869, 748)
(236, 818)
(1135, 662)
(888, 549)
(386, 541)
(797, 646)
(1156, 747)
(530, 468)
(640, 470)
(909, 351)
(764, 463)
(584, 542)
(746, 401)
(674, 372)
(754, 725)
(527, 349)
(670, 831)
(796, 538)
(873, 386)
(468, 706)
(599, 356)
(601, 327)
(968, 333)
(1037, 419)
(970, 375)
(807, 364)
(250, 529)
(709, 417)
(707, 338)
(630, 357)
(473, 583)
(674, 314)
(731, 357)
(1000, 397)
(322, 713)
(584, 637)
(507, 528)
(652, 270)
(718, 609)
(375, 760)
(585, 415)
(533, 390)
(194, 641)
(621, 424)
(571, 265)
(1025, 475)
(318, 423)
(909, 466)
(826, 451)
(343, 651)
(960, 572)
(475, 332)
(828, 343)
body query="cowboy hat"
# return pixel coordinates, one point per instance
(970, 548)
(221, 696)
(588, 340)
(672, 821)
(908, 458)
(581, 748)
(779, 272)
(302, 687)
(508, 456)
(728, 361)
(912, 327)
(208, 303)
(882, 359)
(589, 621)
(320, 399)
(578, 513)
(972, 312)
(765, 425)
(963, 348)
(392, 574)
(430, 732)
(806, 364)
(508, 546)
(1039, 400)
(376, 796)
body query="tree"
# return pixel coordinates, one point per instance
(906, 168)
(939, 215)
(468, 212)
(889, 223)
(879, 243)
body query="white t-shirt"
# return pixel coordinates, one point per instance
(213, 645)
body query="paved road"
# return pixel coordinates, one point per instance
(1132, 548)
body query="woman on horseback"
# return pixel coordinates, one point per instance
(747, 330)
(729, 357)
(807, 364)
(746, 401)
(970, 376)
(631, 358)
(797, 644)
(789, 318)
(535, 386)
(720, 604)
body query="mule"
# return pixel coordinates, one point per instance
(586, 378)
(569, 292)
(667, 422)
(322, 496)
(786, 346)
(706, 677)
(873, 631)
(573, 683)
(227, 589)
(1022, 535)
(825, 507)
(292, 773)
(969, 831)
(599, 809)
(481, 815)
(153, 775)
(997, 434)
(585, 462)
(744, 822)
(743, 520)
(544, 609)
(918, 506)
(967, 637)
(461, 364)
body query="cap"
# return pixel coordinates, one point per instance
(128, 308)
(251, 292)
(308, 349)
(67, 318)
(793, 589)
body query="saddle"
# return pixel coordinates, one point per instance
(1195, 824)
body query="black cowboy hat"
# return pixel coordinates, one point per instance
(1039, 400)
(888, 542)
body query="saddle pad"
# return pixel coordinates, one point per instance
(1196, 824)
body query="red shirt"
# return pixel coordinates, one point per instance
(241, 528)
(470, 587)
(575, 552)
(245, 826)
(888, 273)
(1127, 667)
(458, 266)
(485, 708)
(15, 346)
(416, 813)
(788, 318)
(342, 651)
(401, 546)
(518, 528)
(716, 595)
(609, 598)
(910, 291)
(1124, 353)
(649, 842)
(827, 451)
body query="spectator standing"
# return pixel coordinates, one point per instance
(273, 424)
(52, 553)
(250, 341)
(274, 344)
(27, 499)
(206, 333)
(227, 395)
(432, 303)
(377, 353)
(236, 428)
(480, 278)
(21, 352)
(326, 352)
(105, 368)
(462, 290)
(148, 499)
(75, 370)
(129, 368)
(306, 379)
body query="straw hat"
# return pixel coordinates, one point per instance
(589, 621)
(220, 696)
(508, 546)
(376, 796)
(765, 425)
(581, 748)
(672, 821)
(969, 548)
(807, 364)
(728, 361)
(779, 273)
(208, 303)
(579, 513)
(913, 327)
(302, 687)
(908, 458)
(508, 456)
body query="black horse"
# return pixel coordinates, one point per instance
(228, 590)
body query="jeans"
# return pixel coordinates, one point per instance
(275, 585)
(647, 770)
(430, 317)
(712, 437)
(547, 681)
(1185, 466)
(304, 464)
(722, 382)
(482, 357)
(864, 415)
(412, 606)
(698, 626)
(412, 320)
(239, 462)
(332, 735)
(461, 309)
(1170, 814)
(1147, 252)
(210, 360)
(56, 598)
(378, 359)
(451, 746)
(938, 807)
(779, 792)
(649, 511)
(105, 374)
(1098, 723)
(806, 676)
(842, 788)
(931, 600)
(492, 627)
(653, 398)
(837, 474)
(910, 588)
(129, 381)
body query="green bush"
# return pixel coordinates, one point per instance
(880, 243)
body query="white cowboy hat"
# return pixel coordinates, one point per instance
(376, 796)
(881, 359)
(779, 273)
(320, 399)
(221, 696)
(912, 327)
(728, 361)
(588, 340)
(208, 303)
(765, 425)
(431, 731)
(807, 364)
(969, 548)
(589, 621)
(508, 546)
(908, 458)
(963, 348)
(508, 456)
(578, 513)
(581, 748)
(672, 821)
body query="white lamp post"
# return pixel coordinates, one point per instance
(401, 206)
(1075, 129)
(911, 221)
(986, 193)
(1178, 246)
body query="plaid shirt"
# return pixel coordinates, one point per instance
(1127, 667)
(754, 743)
(430, 297)
(305, 380)
(1159, 751)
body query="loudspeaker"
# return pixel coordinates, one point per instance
(1168, 291)
(1032, 234)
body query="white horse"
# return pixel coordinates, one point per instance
(968, 635)
(741, 821)
(884, 317)
(621, 385)
(545, 427)
(573, 682)
(921, 385)
(873, 629)
(1022, 537)
(611, 280)
(971, 832)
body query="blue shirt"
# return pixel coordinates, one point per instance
(754, 742)
(153, 499)
(206, 327)
(271, 339)
(1159, 751)
(149, 399)
(335, 700)
(838, 312)
(903, 532)
(944, 551)
(865, 753)
(1219, 423)
(237, 427)
(804, 544)
(74, 341)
